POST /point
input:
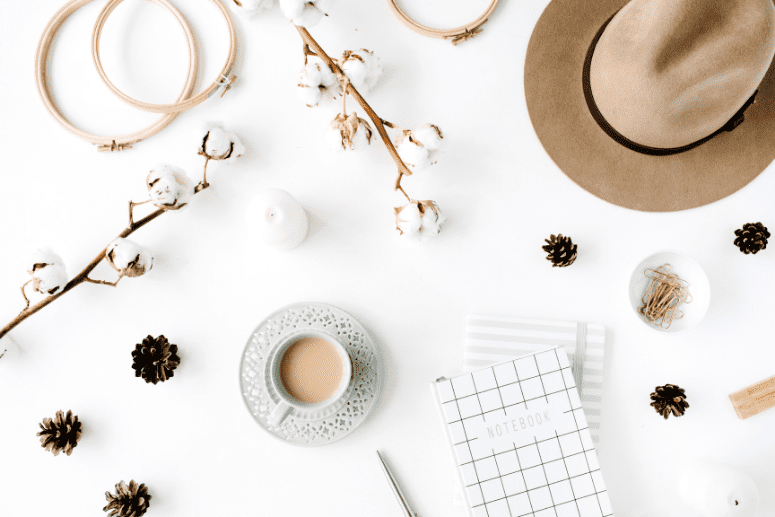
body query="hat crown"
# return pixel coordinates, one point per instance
(667, 73)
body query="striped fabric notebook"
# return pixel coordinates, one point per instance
(494, 339)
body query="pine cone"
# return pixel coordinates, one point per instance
(752, 238)
(129, 501)
(669, 399)
(60, 433)
(155, 359)
(561, 250)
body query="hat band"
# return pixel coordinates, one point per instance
(735, 121)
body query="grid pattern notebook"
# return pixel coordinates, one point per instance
(494, 339)
(520, 440)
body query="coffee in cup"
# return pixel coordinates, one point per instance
(311, 370)
(309, 373)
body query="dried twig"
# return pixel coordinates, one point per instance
(83, 276)
(312, 48)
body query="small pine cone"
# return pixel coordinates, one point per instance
(669, 399)
(60, 433)
(752, 238)
(155, 359)
(130, 500)
(561, 250)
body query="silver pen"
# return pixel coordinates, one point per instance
(396, 488)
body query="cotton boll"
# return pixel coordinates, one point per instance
(429, 136)
(310, 95)
(50, 279)
(218, 143)
(169, 187)
(414, 156)
(121, 253)
(417, 148)
(350, 132)
(309, 17)
(317, 75)
(46, 256)
(374, 70)
(167, 193)
(420, 220)
(362, 68)
(335, 141)
(356, 72)
(253, 7)
(201, 133)
(310, 81)
(292, 8)
(409, 219)
(237, 150)
(301, 13)
(361, 139)
(311, 75)
(331, 87)
(431, 224)
(128, 258)
(48, 272)
(329, 78)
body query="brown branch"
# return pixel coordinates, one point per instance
(317, 50)
(399, 187)
(83, 276)
(345, 83)
(104, 282)
(307, 53)
(25, 294)
(132, 206)
(203, 184)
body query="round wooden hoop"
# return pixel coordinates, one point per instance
(222, 83)
(107, 143)
(457, 35)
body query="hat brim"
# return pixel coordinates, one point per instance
(586, 154)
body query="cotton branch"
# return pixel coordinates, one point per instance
(83, 276)
(311, 48)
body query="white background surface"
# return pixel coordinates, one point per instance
(191, 439)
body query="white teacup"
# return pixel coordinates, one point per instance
(284, 403)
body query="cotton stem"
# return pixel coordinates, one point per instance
(203, 184)
(25, 294)
(399, 187)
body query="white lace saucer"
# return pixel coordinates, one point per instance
(366, 385)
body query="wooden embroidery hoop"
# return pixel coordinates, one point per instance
(457, 35)
(222, 83)
(107, 143)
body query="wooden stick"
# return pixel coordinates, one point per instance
(754, 399)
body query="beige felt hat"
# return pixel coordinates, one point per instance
(655, 105)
